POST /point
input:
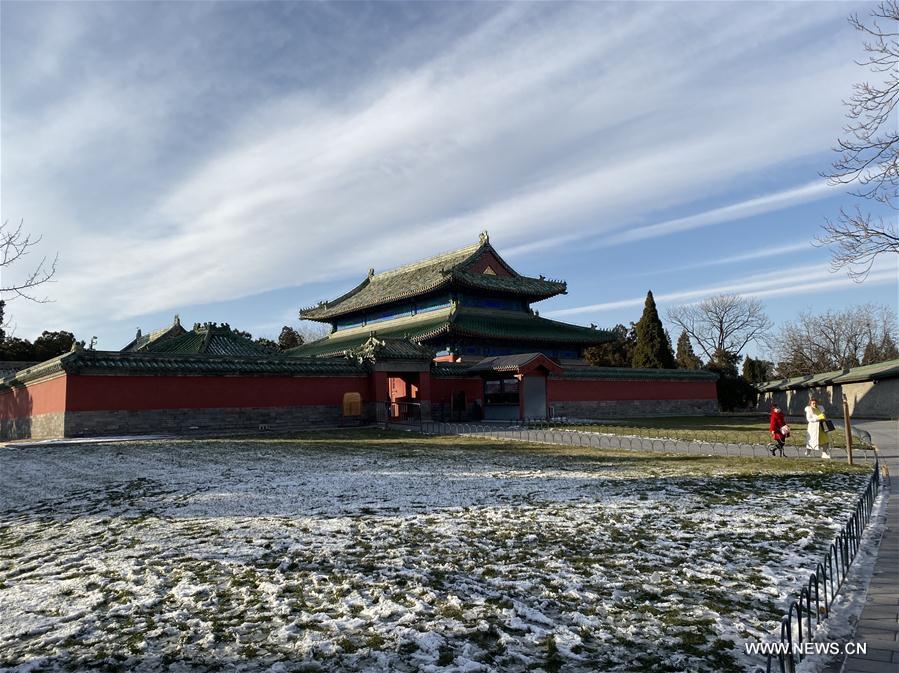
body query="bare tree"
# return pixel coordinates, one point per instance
(869, 151)
(310, 331)
(724, 323)
(14, 245)
(833, 340)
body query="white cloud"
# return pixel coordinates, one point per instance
(811, 279)
(544, 123)
(736, 211)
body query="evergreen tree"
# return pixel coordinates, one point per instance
(888, 350)
(653, 347)
(617, 353)
(50, 344)
(757, 371)
(686, 358)
(289, 338)
(14, 348)
(267, 344)
(871, 355)
(734, 392)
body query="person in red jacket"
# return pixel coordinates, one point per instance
(779, 430)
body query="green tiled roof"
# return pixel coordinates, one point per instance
(210, 339)
(881, 370)
(431, 274)
(526, 286)
(450, 369)
(461, 321)
(88, 361)
(876, 372)
(393, 349)
(622, 373)
(339, 343)
(142, 341)
(519, 326)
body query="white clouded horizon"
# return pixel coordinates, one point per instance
(542, 124)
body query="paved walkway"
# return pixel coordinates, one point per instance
(878, 625)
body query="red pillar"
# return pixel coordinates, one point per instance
(379, 390)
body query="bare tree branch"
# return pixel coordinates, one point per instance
(833, 340)
(15, 244)
(722, 323)
(869, 151)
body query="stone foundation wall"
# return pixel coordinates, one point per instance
(42, 426)
(634, 408)
(204, 421)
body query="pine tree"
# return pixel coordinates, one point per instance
(616, 353)
(734, 391)
(872, 354)
(888, 350)
(757, 371)
(653, 347)
(289, 338)
(686, 358)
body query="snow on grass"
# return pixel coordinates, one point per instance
(368, 551)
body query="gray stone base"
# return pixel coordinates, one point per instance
(43, 426)
(634, 408)
(203, 421)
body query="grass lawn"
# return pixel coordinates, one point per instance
(749, 429)
(369, 551)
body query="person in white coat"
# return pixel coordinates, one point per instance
(817, 438)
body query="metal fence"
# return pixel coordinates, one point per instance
(405, 414)
(824, 584)
(546, 433)
(861, 438)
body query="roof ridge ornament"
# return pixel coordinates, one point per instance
(484, 237)
(371, 272)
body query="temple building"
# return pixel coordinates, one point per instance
(466, 305)
(207, 338)
(453, 337)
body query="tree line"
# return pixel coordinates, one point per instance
(51, 344)
(721, 327)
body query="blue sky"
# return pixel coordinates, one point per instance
(236, 162)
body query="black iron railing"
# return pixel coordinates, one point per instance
(815, 598)
(400, 413)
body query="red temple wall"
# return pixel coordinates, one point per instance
(588, 390)
(134, 393)
(43, 397)
(442, 389)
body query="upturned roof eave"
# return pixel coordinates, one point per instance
(450, 281)
(447, 267)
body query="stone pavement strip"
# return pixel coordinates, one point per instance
(878, 625)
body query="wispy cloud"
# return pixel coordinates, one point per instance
(736, 211)
(171, 176)
(716, 260)
(812, 279)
